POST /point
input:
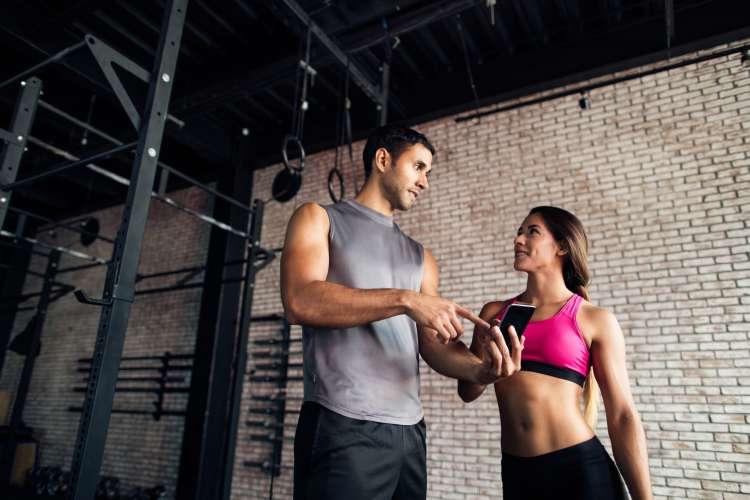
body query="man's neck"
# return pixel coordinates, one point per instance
(373, 198)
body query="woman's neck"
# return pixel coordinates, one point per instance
(542, 288)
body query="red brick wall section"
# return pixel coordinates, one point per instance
(658, 170)
(140, 451)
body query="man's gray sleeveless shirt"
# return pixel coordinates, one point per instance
(368, 372)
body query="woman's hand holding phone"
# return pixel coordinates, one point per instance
(497, 361)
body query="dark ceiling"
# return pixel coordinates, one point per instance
(239, 62)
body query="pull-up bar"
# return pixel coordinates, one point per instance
(75, 121)
(67, 251)
(54, 58)
(67, 225)
(67, 166)
(126, 182)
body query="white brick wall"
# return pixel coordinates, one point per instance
(658, 170)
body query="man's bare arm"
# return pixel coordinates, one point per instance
(310, 300)
(453, 359)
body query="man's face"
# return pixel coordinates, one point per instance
(406, 180)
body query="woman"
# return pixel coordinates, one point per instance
(549, 449)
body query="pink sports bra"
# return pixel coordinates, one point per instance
(555, 346)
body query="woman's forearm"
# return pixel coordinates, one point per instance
(469, 391)
(631, 454)
(450, 360)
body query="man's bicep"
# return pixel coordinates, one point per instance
(430, 277)
(305, 255)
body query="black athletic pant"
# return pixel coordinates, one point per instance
(581, 472)
(337, 457)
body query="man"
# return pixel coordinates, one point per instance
(366, 295)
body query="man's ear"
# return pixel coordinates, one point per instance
(382, 160)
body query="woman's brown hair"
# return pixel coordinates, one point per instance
(568, 232)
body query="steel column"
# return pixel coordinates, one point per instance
(241, 357)
(669, 21)
(121, 274)
(22, 391)
(204, 443)
(383, 106)
(18, 258)
(23, 118)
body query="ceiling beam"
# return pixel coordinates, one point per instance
(133, 11)
(531, 16)
(491, 32)
(208, 141)
(214, 91)
(431, 44)
(358, 76)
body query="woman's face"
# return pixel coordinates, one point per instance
(535, 248)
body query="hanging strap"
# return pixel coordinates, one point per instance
(466, 60)
(300, 107)
(343, 133)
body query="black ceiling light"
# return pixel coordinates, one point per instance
(584, 102)
(89, 231)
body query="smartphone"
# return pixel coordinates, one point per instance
(517, 315)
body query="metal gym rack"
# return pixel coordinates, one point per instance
(234, 258)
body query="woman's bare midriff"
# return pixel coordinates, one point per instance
(540, 414)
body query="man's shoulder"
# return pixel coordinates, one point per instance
(310, 207)
(309, 217)
(411, 240)
(310, 211)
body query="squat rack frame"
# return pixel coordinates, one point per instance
(119, 288)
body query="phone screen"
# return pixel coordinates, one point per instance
(517, 315)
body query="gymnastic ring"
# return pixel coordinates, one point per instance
(286, 184)
(337, 173)
(297, 168)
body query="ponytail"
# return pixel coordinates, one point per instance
(590, 387)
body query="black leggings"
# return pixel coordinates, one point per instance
(582, 472)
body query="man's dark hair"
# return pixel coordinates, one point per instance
(395, 140)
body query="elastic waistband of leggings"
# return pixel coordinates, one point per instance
(586, 450)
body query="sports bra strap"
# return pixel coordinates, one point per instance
(573, 305)
(570, 308)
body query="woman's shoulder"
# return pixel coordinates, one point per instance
(596, 318)
(492, 309)
(594, 311)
